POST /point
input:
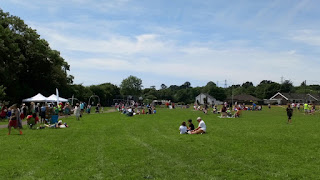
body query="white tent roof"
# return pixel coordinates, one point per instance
(37, 98)
(53, 98)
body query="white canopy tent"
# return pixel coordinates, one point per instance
(37, 98)
(54, 98)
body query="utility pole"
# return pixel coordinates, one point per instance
(225, 83)
(305, 91)
(232, 98)
(281, 79)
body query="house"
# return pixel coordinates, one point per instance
(243, 98)
(205, 98)
(160, 102)
(284, 98)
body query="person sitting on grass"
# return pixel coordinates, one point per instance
(238, 113)
(202, 128)
(129, 112)
(215, 110)
(183, 128)
(32, 120)
(229, 112)
(224, 111)
(289, 113)
(191, 126)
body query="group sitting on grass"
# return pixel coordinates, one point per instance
(226, 113)
(131, 110)
(201, 129)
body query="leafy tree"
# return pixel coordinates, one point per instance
(247, 84)
(287, 86)
(185, 85)
(215, 91)
(106, 92)
(2, 92)
(163, 86)
(131, 86)
(28, 62)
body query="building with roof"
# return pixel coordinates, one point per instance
(205, 98)
(243, 98)
(284, 98)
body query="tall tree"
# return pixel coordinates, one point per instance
(163, 86)
(2, 92)
(27, 62)
(131, 86)
(287, 86)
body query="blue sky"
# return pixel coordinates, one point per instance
(170, 42)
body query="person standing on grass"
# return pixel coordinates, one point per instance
(202, 128)
(81, 108)
(14, 122)
(305, 107)
(289, 113)
(43, 110)
(77, 111)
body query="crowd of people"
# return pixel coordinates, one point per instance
(225, 111)
(132, 109)
(43, 113)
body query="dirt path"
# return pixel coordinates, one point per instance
(25, 122)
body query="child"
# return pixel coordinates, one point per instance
(13, 123)
(89, 109)
(191, 126)
(229, 112)
(183, 128)
(289, 113)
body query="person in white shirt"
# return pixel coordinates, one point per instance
(77, 112)
(202, 128)
(183, 128)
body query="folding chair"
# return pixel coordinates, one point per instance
(54, 119)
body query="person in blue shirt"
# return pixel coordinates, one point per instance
(43, 113)
(81, 108)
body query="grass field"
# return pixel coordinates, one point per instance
(259, 145)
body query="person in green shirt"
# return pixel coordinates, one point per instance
(305, 107)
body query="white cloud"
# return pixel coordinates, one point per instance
(156, 54)
(307, 36)
(189, 44)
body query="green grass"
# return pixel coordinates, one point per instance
(259, 145)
